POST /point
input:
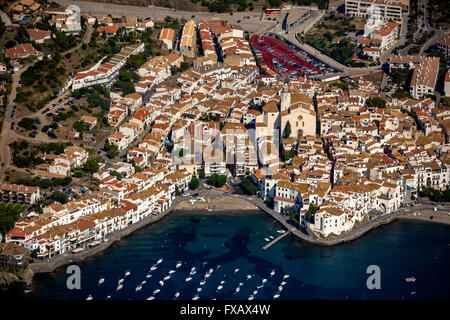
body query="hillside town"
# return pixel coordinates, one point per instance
(178, 104)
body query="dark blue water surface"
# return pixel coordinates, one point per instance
(226, 242)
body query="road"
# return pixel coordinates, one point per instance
(8, 135)
(5, 18)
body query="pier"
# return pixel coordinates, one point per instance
(276, 240)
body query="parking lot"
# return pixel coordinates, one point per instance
(285, 59)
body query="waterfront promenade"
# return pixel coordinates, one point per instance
(49, 265)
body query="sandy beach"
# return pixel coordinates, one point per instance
(424, 215)
(216, 204)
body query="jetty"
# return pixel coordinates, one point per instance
(276, 240)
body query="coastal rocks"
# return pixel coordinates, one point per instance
(8, 279)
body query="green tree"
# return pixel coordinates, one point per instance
(249, 186)
(202, 175)
(91, 166)
(60, 197)
(377, 102)
(195, 182)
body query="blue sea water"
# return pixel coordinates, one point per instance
(226, 242)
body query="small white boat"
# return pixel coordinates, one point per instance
(280, 288)
(120, 281)
(138, 288)
(218, 267)
(283, 283)
(148, 276)
(153, 268)
(199, 289)
(285, 276)
(210, 271)
(127, 273)
(119, 287)
(192, 269)
(166, 278)
(238, 289)
(143, 282)
(195, 297)
(276, 296)
(267, 239)
(204, 263)
(255, 292)
(236, 270)
(177, 294)
(159, 261)
(108, 297)
(222, 282)
(89, 298)
(161, 283)
(188, 279)
(151, 298)
(249, 276)
(264, 280)
(241, 284)
(281, 231)
(178, 265)
(171, 271)
(220, 287)
(156, 291)
(207, 275)
(251, 298)
(271, 237)
(101, 281)
(272, 273)
(260, 286)
(202, 282)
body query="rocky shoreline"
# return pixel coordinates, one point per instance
(22, 279)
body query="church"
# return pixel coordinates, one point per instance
(294, 116)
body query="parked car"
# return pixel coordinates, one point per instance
(33, 134)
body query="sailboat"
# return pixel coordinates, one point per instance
(285, 276)
(171, 271)
(219, 287)
(264, 280)
(177, 294)
(119, 287)
(277, 295)
(195, 297)
(151, 298)
(161, 283)
(156, 291)
(166, 278)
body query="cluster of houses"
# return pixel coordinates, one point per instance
(342, 160)
(73, 157)
(87, 221)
